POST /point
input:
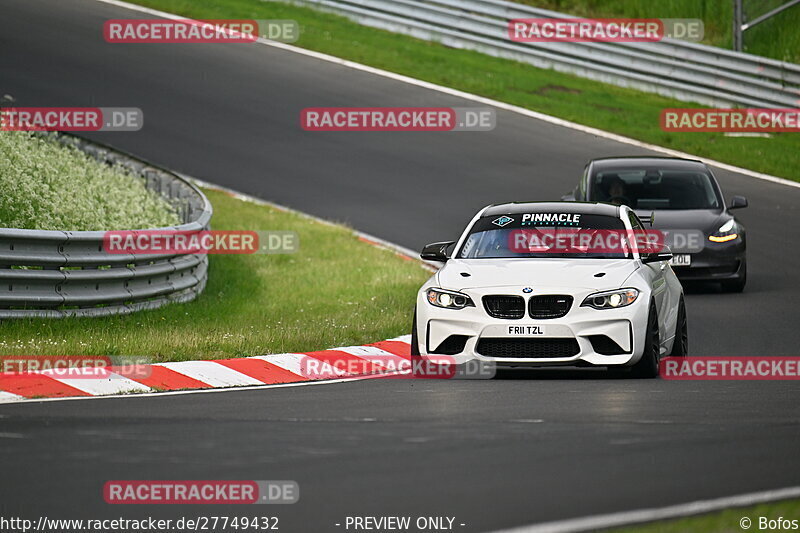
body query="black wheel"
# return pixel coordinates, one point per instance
(680, 347)
(414, 338)
(647, 367)
(736, 285)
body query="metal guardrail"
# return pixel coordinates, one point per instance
(67, 273)
(672, 68)
(740, 25)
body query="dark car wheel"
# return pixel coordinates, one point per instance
(414, 338)
(736, 285)
(680, 347)
(647, 367)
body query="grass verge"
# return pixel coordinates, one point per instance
(336, 291)
(48, 186)
(727, 521)
(615, 109)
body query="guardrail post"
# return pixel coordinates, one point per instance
(738, 22)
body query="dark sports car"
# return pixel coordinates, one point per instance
(707, 241)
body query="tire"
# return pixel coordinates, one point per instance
(736, 285)
(414, 338)
(647, 367)
(680, 348)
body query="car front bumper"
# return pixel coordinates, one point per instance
(529, 342)
(715, 262)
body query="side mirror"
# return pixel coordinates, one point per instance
(436, 251)
(737, 202)
(657, 257)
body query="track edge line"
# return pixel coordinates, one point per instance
(640, 516)
(487, 101)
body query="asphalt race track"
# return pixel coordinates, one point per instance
(491, 454)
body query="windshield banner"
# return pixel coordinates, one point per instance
(583, 241)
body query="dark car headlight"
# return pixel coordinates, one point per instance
(727, 232)
(611, 299)
(448, 299)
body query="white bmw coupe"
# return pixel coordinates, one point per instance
(551, 283)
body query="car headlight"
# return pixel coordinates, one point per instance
(611, 299)
(726, 232)
(449, 299)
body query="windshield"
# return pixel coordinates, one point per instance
(655, 189)
(546, 235)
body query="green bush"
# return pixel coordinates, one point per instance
(45, 185)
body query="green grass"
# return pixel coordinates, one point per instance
(777, 37)
(336, 291)
(45, 185)
(627, 112)
(724, 521)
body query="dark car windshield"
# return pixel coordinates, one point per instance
(655, 189)
(546, 235)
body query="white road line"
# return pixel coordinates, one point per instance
(212, 373)
(481, 100)
(7, 397)
(98, 386)
(396, 248)
(194, 391)
(626, 518)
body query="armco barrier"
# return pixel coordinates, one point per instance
(676, 69)
(67, 273)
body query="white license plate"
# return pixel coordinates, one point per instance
(681, 260)
(525, 331)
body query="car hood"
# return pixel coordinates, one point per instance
(706, 220)
(578, 273)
